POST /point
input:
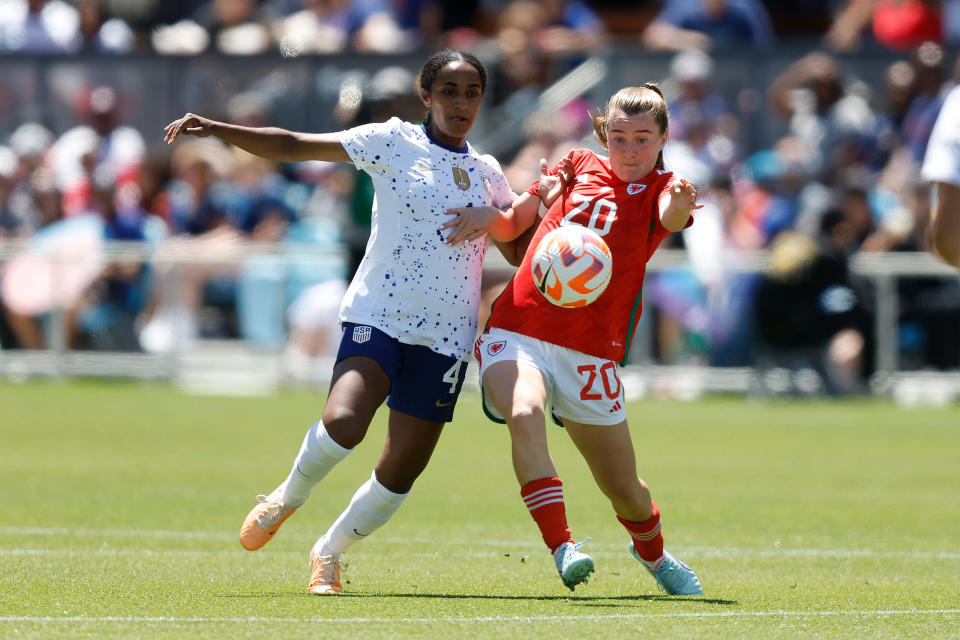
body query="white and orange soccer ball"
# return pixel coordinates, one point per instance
(571, 266)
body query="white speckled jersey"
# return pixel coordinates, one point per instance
(942, 160)
(410, 284)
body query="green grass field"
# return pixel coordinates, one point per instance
(122, 505)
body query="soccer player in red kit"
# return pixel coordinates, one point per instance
(534, 353)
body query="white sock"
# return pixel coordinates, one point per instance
(369, 509)
(652, 565)
(318, 454)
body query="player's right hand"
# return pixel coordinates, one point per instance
(188, 125)
(552, 185)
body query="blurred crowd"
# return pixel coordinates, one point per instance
(841, 178)
(301, 27)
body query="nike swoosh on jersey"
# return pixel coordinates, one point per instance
(443, 404)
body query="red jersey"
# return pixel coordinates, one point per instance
(626, 215)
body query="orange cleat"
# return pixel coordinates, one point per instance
(324, 574)
(264, 520)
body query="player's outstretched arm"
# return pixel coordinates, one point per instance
(945, 223)
(677, 203)
(514, 250)
(268, 142)
(469, 223)
(505, 225)
(519, 217)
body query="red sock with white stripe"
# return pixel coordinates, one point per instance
(544, 500)
(647, 539)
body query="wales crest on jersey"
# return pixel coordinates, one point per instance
(461, 178)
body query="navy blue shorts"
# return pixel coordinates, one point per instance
(423, 383)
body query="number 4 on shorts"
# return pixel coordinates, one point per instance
(453, 375)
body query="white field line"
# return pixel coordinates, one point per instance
(496, 547)
(457, 619)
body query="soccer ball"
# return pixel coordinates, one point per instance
(571, 266)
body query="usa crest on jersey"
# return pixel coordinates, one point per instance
(361, 333)
(461, 178)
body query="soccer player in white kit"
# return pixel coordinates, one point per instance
(534, 353)
(941, 166)
(409, 317)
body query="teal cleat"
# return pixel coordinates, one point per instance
(574, 567)
(673, 576)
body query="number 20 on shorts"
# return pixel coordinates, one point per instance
(607, 374)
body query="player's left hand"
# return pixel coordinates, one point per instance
(468, 223)
(683, 195)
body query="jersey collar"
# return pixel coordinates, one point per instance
(464, 149)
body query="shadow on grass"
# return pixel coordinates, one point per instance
(590, 601)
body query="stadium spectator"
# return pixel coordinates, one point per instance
(899, 79)
(152, 178)
(105, 315)
(929, 91)
(830, 117)
(102, 141)
(898, 25)
(567, 26)
(8, 169)
(703, 131)
(99, 34)
(533, 351)
(409, 316)
(197, 205)
(183, 38)
(810, 319)
(520, 71)
(39, 26)
(703, 312)
(25, 205)
(197, 196)
(531, 33)
(706, 25)
(314, 330)
(63, 270)
(695, 96)
(234, 27)
(328, 26)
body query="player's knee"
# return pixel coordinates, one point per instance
(630, 496)
(527, 428)
(397, 480)
(527, 416)
(345, 426)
